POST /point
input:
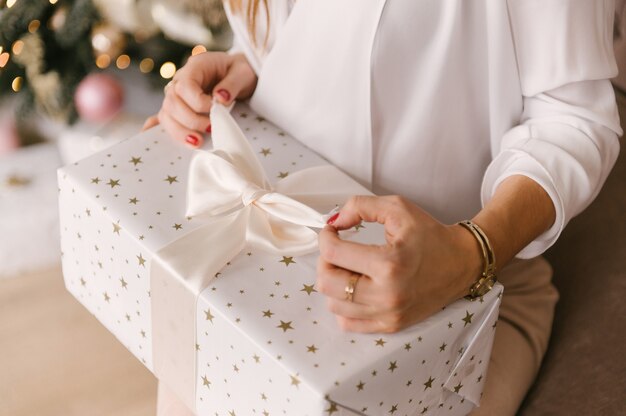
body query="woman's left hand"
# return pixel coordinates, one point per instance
(424, 265)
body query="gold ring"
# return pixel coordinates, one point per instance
(349, 290)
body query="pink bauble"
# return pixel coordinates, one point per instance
(9, 139)
(98, 97)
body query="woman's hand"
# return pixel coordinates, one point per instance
(211, 75)
(423, 266)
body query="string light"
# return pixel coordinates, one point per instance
(197, 50)
(33, 26)
(18, 46)
(17, 84)
(146, 65)
(123, 61)
(103, 61)
(4, 59)
(167, 70)
(11, 3)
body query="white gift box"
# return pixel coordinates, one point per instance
(29, 220)
(265, 342)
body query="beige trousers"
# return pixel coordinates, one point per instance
(520, 343)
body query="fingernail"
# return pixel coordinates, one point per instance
(224, 94)
(192, 140)
(208, 129)
(332, 219)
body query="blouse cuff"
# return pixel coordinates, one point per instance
(516, 162)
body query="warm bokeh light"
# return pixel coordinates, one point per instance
(10, 3)
(17, 84)
(33, 26)
(167, 70)
(18, 45)
(146, 65)
(197, 49)
(123, 61)
(53, 1)
(4, 59)
(103, 61)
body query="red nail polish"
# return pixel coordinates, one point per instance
(332, 219)
(224, 94)
(192, 140)
(208, 129)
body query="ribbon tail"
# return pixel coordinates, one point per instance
(320, 187)
(178, 273)
(274, 235)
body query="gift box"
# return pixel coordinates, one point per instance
(29, 224)
(256, 336)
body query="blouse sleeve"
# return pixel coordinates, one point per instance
(567, 139)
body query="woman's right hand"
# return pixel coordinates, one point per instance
(184, 113)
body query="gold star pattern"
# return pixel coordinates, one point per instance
(266, 152)
(312, 348)
(429, 383)
(268, 313)
(380, 342)
(332, 408)
(113, 183)
(468, 318)
(308, 289)
(141, 260)
(393, 409)
(116, 228)
(82, 282)
(287, 260)
(171, 179)
(282, 175)
(360, 386)
(208, 315)
(285, 326)
(206, 382)
(443, 347)
(106, 297)
(123, 283)
(95, 180)
(392, 366)
(295, 381)
(135, 160)
(133, 200)
(458, 387)
(177, 226)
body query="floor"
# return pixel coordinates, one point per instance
(65, 363)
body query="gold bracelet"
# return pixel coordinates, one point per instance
(488, 277)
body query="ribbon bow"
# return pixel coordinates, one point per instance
(229, 190)
(231, 179)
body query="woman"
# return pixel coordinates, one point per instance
(498, 111)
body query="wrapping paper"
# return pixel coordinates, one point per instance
(265, 343)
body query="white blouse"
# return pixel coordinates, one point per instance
(441, 100)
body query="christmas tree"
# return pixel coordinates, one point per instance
(48, 46)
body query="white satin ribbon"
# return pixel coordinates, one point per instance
(229, 190)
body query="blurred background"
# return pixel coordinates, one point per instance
(77, 76)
